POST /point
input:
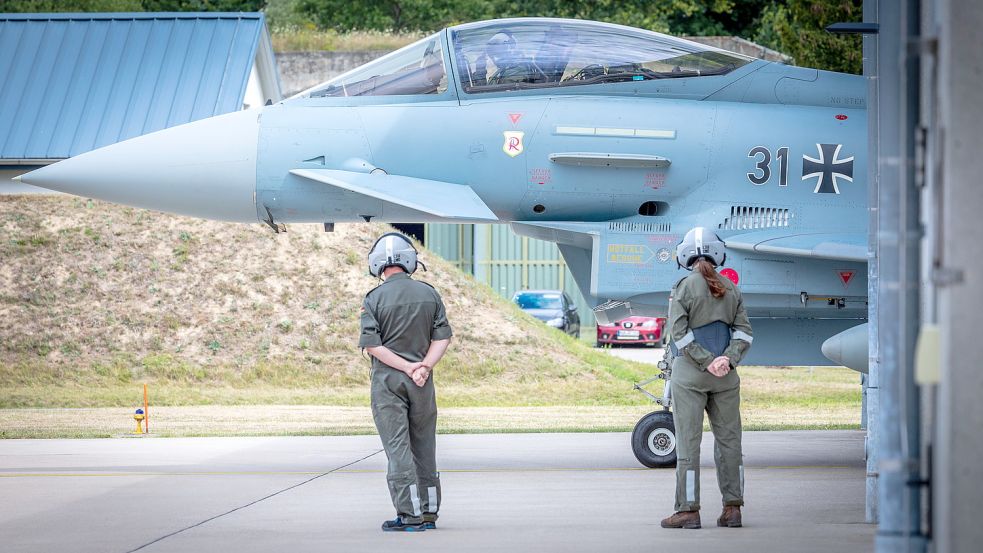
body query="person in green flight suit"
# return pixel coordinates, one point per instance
(404, 329)
(510, 65)
(710, 335)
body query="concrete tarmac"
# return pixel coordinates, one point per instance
(511, 492)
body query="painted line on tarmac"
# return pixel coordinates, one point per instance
(251, 503)
(378, 471)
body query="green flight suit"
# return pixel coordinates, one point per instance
(695, 390)
(405, 316)
(517, 72)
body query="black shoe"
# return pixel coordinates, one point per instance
(430, 525)
(397, 525)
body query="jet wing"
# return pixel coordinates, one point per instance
(442, 199)
(839, 246)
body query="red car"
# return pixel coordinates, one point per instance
(633, 330)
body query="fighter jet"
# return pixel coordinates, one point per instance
(608, 140)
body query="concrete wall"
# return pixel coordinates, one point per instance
(8, 186)
(302, 70)
(741, 46)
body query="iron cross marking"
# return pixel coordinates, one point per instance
(829, 167)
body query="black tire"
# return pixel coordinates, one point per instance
(653, 441)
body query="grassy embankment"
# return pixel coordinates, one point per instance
(240, 331)
(305, 39)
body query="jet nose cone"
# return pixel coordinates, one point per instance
(849, 348)
(203, 169)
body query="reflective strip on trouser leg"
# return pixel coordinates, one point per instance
(415, 499)
(423, 440)
(432, 504)
(691, 486)
(725, 421)
(688, 405)
(389, 410)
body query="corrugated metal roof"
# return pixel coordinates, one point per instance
(70, 83)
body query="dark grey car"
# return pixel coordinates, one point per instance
(553, 307)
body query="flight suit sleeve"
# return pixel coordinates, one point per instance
(371, 334)
(682, 336)
(741, 336)
(441, 326)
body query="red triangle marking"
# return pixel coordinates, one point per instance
(515, 117)
(846, 276)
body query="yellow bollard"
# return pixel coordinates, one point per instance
(138, 416)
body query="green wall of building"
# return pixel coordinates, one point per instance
(505, 262)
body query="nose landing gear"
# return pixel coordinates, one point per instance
(653, 441)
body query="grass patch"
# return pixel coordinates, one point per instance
(189, 399)
(218, 314)
(323, 420)
(303, 39)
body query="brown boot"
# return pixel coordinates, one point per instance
(682, 519)
(730, 517)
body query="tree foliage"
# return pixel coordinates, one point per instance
(794, 27)
(428, 15)
(797, 28)
(44, 6)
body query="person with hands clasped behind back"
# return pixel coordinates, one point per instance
(710, 335)
(404, 329)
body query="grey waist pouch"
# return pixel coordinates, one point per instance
(714, 337)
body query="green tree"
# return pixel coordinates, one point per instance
(203, 5)
(797, 28)
(384, 15)
(51, 6)
(430, 15)
(735, 18)
(284, 14)
(59, 6)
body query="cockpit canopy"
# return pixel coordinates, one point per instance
(411, 70)
(529, 54)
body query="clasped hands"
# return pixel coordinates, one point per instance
(720, 366)
(419, 373)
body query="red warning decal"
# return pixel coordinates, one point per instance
(515, 117)
(846, 277)
(732, 275)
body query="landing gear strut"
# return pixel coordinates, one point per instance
(653, 441)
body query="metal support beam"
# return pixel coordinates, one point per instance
(898, 236)
(958, 470)
(871, 391)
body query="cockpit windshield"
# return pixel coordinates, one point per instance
(415, 69)
(531, 54)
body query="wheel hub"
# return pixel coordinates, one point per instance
(661, 442)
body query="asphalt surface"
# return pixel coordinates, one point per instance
(522, 492)
(639, 354)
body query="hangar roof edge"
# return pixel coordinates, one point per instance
(74, 82)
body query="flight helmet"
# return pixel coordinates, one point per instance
(392, 249)
(501, 47)
(700, 242)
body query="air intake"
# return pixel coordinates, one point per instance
(743, 217)
(649, 228)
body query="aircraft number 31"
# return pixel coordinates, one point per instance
(762, 172)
